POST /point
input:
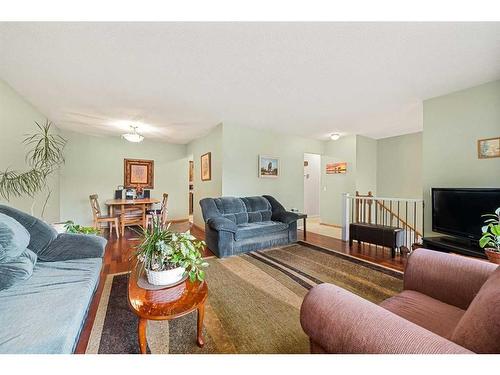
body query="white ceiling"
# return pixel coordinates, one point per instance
(178, 80)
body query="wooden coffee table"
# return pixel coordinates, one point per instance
(166, 304)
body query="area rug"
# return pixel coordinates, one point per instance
(253, 304)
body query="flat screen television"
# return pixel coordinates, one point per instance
(457, 212)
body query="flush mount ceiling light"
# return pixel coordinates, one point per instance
(335, 136)
(133, 136)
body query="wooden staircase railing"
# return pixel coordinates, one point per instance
(404, 222)
(403, 213)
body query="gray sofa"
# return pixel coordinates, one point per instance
(45, 312)
(238, 225)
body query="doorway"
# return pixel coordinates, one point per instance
(191, 190)
(312, 184)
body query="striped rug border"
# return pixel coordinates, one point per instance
(362, 262)
(281, 263)
(288, 270)
(298, 280)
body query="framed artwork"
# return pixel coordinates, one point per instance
(191, 171)
(336, 168)
(206, 166)
(138, 173)
(269, 166)
(488, 148)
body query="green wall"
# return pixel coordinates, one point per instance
(452, 125)
(399, 166)
(94, 165)
(17, 119)
(238, 164)
(333, 185)
(212, 142)
(241, 150)
(366, 165)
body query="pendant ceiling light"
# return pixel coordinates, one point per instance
(133, 136)
(335, 136)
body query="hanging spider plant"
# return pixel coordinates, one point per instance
(44, 157)
(46, 149)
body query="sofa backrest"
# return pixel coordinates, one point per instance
(258, 209)
(479, 328)
(238, 210)
(41, 234)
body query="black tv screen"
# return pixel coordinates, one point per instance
(458, 211)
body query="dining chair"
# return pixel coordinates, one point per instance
(99, 218)
(135, 215)
(162, 212)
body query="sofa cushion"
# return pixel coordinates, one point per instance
(479, 328)
(258, 209)
(256, 216)
(73, 246)
(13, 270)
(258, 229)
(230, 205)
(14, 238)
(41, 234)
(425, 311)
(256, 204)
(237, 218)
(46, 313)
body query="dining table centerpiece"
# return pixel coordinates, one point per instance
(167, 256)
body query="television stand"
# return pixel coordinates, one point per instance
(453, 245)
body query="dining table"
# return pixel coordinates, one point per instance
(126, 203)
(122, 204)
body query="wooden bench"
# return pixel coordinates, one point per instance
(382, 235)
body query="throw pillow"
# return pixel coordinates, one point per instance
(41, 233)
(14, 238)
(17, 269)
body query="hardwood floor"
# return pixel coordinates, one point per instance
(375, 254)
(119, 252)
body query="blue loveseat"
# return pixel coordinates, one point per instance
(238, 225)
(46, 312)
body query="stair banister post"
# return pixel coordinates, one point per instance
(345, 217)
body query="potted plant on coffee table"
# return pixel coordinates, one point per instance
(490, 240)
(167, 256)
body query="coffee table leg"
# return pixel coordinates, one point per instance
(141, 331)
(201, 314)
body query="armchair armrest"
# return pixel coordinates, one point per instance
(338, 321)
(221, 223)
(286, 217)
(450, 278)
(69, 246)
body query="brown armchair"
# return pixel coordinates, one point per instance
(450, 304)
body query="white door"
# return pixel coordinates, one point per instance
(312, 182)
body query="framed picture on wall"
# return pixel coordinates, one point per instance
(206, 166)
(138, 173)
(488, 148)
(191, 171)
(336, 168)
(269, 166)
